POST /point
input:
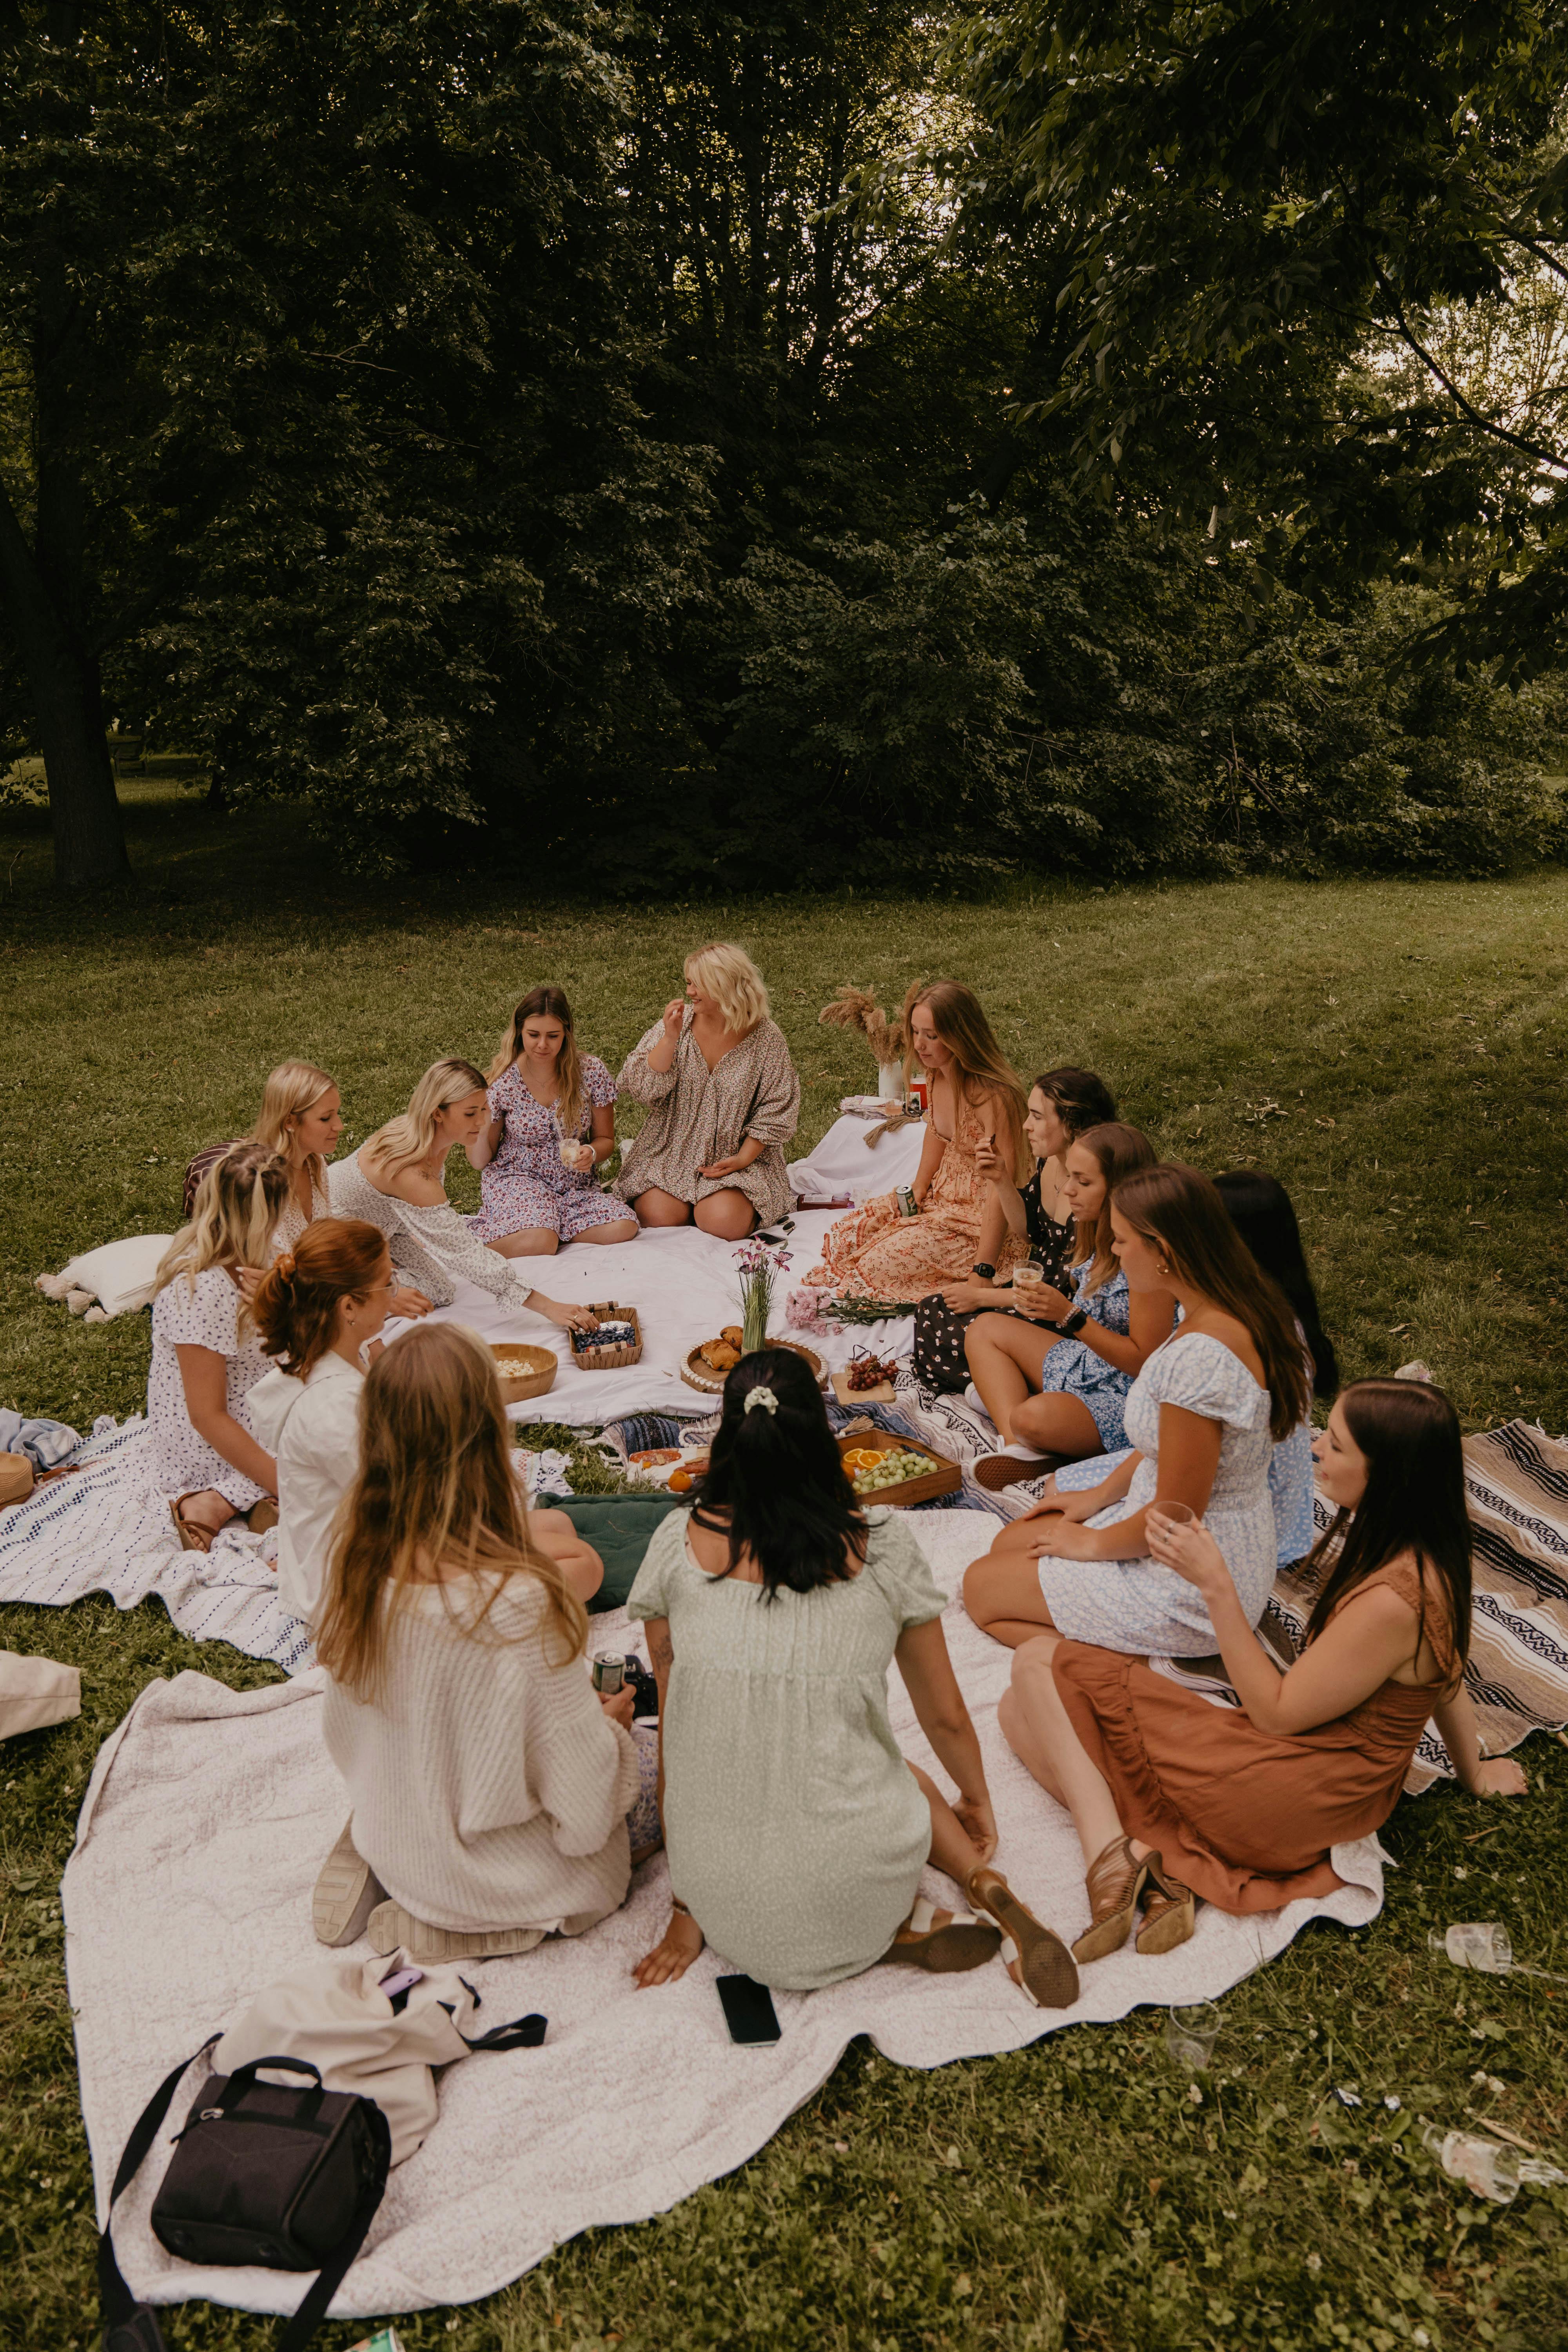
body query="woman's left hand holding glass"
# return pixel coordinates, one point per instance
(1041, 1302)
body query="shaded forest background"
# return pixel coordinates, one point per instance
(733, 447)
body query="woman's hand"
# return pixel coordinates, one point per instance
(732, 1166)
(619, 1706)
(1192, 1551)
(978, 1822)
(248, 1278)
(1076, 1509)
(1058, 1538)
(583, 1157)
(408, 1301)
(570, 1318)
(1498, 1776)
(1041, 1302)
(963, 1298)
(990, 1162)
(671, 1958)
(674, 1016)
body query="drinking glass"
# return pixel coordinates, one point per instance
(1180, 1514)
(1474, 1944)
(1192, 2030)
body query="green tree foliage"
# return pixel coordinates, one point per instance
(721, 444)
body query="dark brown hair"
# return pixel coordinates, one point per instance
(776, 1484)
(1414, 1502)
(1181, 1209)
(548, 1003)
(296, 1305)
(1082, 1099)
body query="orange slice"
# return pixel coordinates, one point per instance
(863, 1457)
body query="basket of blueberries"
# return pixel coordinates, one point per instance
(617, 1341)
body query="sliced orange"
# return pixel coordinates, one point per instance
(863, 1457)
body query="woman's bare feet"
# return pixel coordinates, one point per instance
(670, 1959)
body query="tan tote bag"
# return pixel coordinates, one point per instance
(382, 2044)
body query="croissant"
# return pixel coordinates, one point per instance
(731, 1335)
(718, 1355)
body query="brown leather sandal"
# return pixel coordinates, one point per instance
(193, 1536)
(1115, 1879)
(944, 1943)
(1036, 1956)
(1170, 1910)
(262, 1516)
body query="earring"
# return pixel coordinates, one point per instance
(1164, 1267)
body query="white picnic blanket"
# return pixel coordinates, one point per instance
(189, 1891)
(685, 1286)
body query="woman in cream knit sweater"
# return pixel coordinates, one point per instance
(496, 1798)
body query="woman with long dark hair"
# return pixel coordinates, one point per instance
(552, 1126)
(796, 1832)
(1175, 1799)
(1203, 1415)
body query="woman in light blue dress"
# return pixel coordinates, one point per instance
(1203, 1416)
(1055, 1374)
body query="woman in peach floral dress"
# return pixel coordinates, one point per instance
(975, 1094)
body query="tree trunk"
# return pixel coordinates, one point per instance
(89, 839)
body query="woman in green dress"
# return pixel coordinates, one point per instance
(797, 1831)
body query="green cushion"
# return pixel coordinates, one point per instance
(620, 1529)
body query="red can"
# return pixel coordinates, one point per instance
(919, 1093)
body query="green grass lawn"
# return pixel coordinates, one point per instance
(1394, 1053)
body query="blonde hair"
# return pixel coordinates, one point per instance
(237, 1206)
(292, 1090)
(436, 1497)
(410, 1134)
(728, 975)
(548, 1003)
(981, 1066)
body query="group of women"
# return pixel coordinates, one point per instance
(495, 1797)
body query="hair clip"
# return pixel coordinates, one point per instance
(761, 1395)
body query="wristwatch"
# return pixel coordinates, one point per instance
(980, 1267)
(1074, 1324)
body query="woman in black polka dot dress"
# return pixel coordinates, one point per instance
(1062, 1105)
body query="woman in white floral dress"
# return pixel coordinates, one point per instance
(1203, 1416)
(206, 1357)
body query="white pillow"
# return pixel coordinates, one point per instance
(122, 1274)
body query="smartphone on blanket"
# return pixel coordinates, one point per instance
(749, 2010)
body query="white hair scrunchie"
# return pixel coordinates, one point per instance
(761, 1395)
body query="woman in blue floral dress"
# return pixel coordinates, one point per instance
(551, 1125)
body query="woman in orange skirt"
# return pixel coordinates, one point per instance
(1175, 1799)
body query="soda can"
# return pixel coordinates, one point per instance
(609, 1673)
(385, 2339)
(907, 1204)
(918, 1101)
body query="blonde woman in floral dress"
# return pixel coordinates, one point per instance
(976, 1096)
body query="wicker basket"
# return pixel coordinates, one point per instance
(609, 1359)
(536, 1372)
(945, 1477)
